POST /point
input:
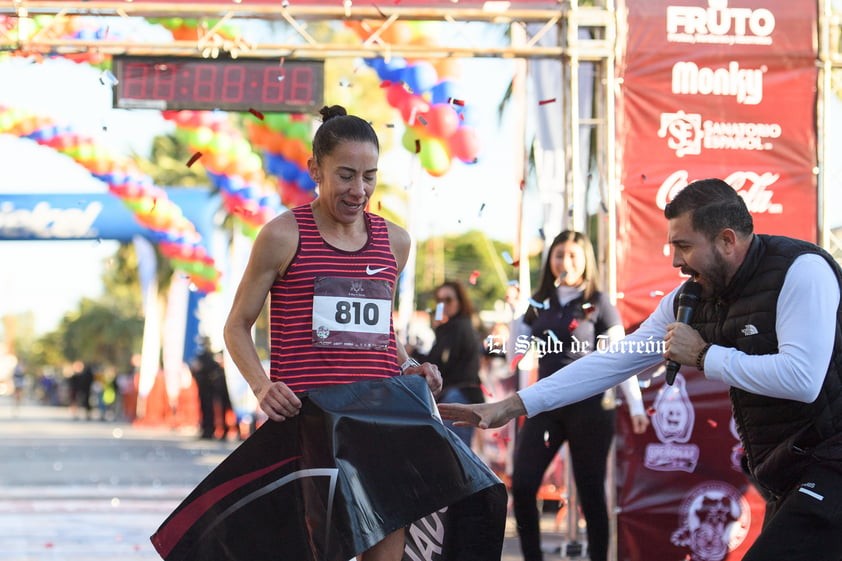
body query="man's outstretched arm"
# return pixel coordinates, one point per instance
(483, 415)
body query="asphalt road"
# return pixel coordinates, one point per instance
(76, 490)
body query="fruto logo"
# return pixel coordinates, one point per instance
(720, 24)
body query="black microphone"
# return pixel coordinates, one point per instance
(687, 299)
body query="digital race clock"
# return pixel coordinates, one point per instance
(175, 83)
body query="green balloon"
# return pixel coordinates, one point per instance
(434, 155)
(298, 130)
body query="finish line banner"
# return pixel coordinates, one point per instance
(360, 461)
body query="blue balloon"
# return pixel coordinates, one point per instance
(272, 162)
(305, 182)
(272, 201)
(444, 92)
(393, 70)
(467, 115)
(289, 171)
(420, 77)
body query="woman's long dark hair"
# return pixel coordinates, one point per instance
(466, 307)
(590, 276)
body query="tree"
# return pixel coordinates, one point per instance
(471, 258)
(106, 331)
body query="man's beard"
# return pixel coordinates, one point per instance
(714, 278)
(717, 275)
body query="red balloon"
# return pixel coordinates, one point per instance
(397, 95)
(413, 107)
(464, 144)
(442, 120)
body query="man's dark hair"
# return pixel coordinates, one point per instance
(715, 206)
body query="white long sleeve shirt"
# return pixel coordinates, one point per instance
(805, 326)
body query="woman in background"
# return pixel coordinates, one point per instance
(456, 350)
(568, 317)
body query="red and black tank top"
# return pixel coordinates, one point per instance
(331, 311)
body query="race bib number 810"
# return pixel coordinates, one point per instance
(352, 313)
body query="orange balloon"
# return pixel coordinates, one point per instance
(447, 68)
(399, 33)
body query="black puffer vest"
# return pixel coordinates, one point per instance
(780, 436)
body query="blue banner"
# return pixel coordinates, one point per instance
(93, 216)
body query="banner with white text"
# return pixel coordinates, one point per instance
(712, 89)
(722, 89)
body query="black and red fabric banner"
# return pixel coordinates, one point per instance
(360, 461)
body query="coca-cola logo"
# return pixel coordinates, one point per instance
(751, 186)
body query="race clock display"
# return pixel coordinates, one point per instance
(176, 83)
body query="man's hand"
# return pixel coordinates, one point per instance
(278, 401)
(639, 423)
(682, 344)
(430, 372)
(483, 415)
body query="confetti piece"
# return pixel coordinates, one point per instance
(344, 84)
(474, 276)
(651, 411)
(106, 78)
(536, 304)
(256, 113)
(507, 257)
(417, 146)
(574, 323)
(283, 72)
(552, 335)
(481, 208)
(194, 158)
(422, 120)
(713, 423)
(385, 83)
(516, 360)
(458, 102)
(546, 101)
(439, 311)
(547, 438)
(485, 390)
(516, 263)
(390, 125)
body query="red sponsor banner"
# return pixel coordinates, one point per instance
(711, 88)
(447, 4)
(680, 489)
